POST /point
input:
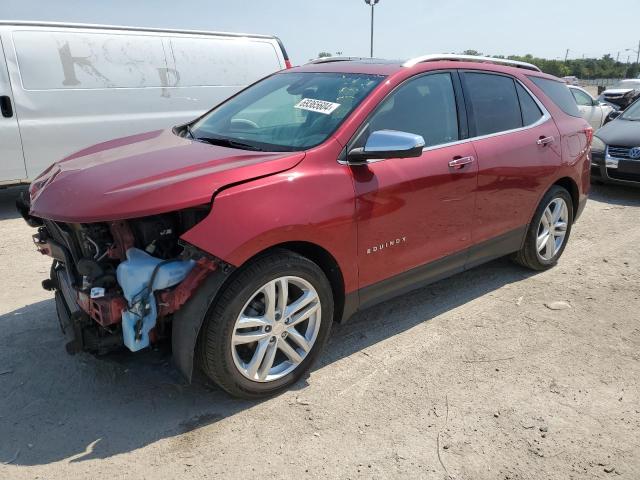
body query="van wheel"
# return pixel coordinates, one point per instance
(548, 232)
(268, 325)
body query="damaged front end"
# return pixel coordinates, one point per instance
(119, 283)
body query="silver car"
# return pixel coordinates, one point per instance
(591, 109)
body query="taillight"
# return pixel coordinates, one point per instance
(287, 63)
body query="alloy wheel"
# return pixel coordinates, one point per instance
(552, 229)
(276, 329)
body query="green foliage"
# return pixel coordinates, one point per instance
(324, 54)
(585, 68)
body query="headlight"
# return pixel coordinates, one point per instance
(597, 146)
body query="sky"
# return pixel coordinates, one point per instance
(403, 28)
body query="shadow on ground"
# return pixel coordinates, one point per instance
(56, 407)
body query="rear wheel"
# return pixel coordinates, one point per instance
(268, 326)
(548, 232)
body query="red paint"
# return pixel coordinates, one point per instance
(171, 300)
(309, 197)
(123, 240)
(106, 310)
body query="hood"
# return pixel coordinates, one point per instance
(146, 174)
(617, 91)
(623, 133)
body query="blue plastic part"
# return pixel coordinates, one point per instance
(134, 275)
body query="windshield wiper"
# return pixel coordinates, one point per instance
(228, 142)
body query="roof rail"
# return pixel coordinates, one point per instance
(469, 58)
(335, 59)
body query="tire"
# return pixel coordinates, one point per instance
(232, 366)
(529, 255)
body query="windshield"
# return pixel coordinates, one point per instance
(632, 112)
(285, 112)
(627, 84)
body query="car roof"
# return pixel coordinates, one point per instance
(378, 66)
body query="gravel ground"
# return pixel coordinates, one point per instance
(496, 373)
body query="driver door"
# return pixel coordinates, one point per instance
(414, 215)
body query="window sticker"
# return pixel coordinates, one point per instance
(318, 106)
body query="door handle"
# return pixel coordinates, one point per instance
(459, 162)
(5, 106)
(545, 140)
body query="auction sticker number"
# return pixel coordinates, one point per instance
(319, 106)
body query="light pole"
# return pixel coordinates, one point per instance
(372, 3)
(637, 52)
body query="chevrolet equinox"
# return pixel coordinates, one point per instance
(314, 193)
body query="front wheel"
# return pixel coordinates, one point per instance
(548, 232)
(268, 325)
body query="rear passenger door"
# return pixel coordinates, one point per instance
(518, 150)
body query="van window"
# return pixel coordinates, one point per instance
(424, 106)
(559, 93)
(69, 60)
(494, 103)
(221, 61)
(531, 113)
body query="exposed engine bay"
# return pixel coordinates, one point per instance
(118, 283)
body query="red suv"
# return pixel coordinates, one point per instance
(316, 192)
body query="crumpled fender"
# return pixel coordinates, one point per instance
(188, 320)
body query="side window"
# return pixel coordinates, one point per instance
(425, 106)
(582, 98)
(531, 113)
(558, 93)
(494, 102)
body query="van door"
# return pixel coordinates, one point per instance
(12, 166)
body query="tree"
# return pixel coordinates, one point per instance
(324, 54)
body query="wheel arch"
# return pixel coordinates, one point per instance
(570, 185)
(321, 257)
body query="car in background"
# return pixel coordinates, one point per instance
(571, 80)
(64, 87)
(592, 110)
(623, 93)
(615, 153)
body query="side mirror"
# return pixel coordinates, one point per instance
(383, 144)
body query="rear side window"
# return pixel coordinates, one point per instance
(494, 103)
(559, 93)
(531, 113)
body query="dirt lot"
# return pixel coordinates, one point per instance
(472, 378)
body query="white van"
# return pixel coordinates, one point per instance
(64, 87)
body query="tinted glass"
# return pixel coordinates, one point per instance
(494, 103)
(559, 93)
(582, 98)
(531, 113)
(425, 106)
(287, 111)
(632, 112)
